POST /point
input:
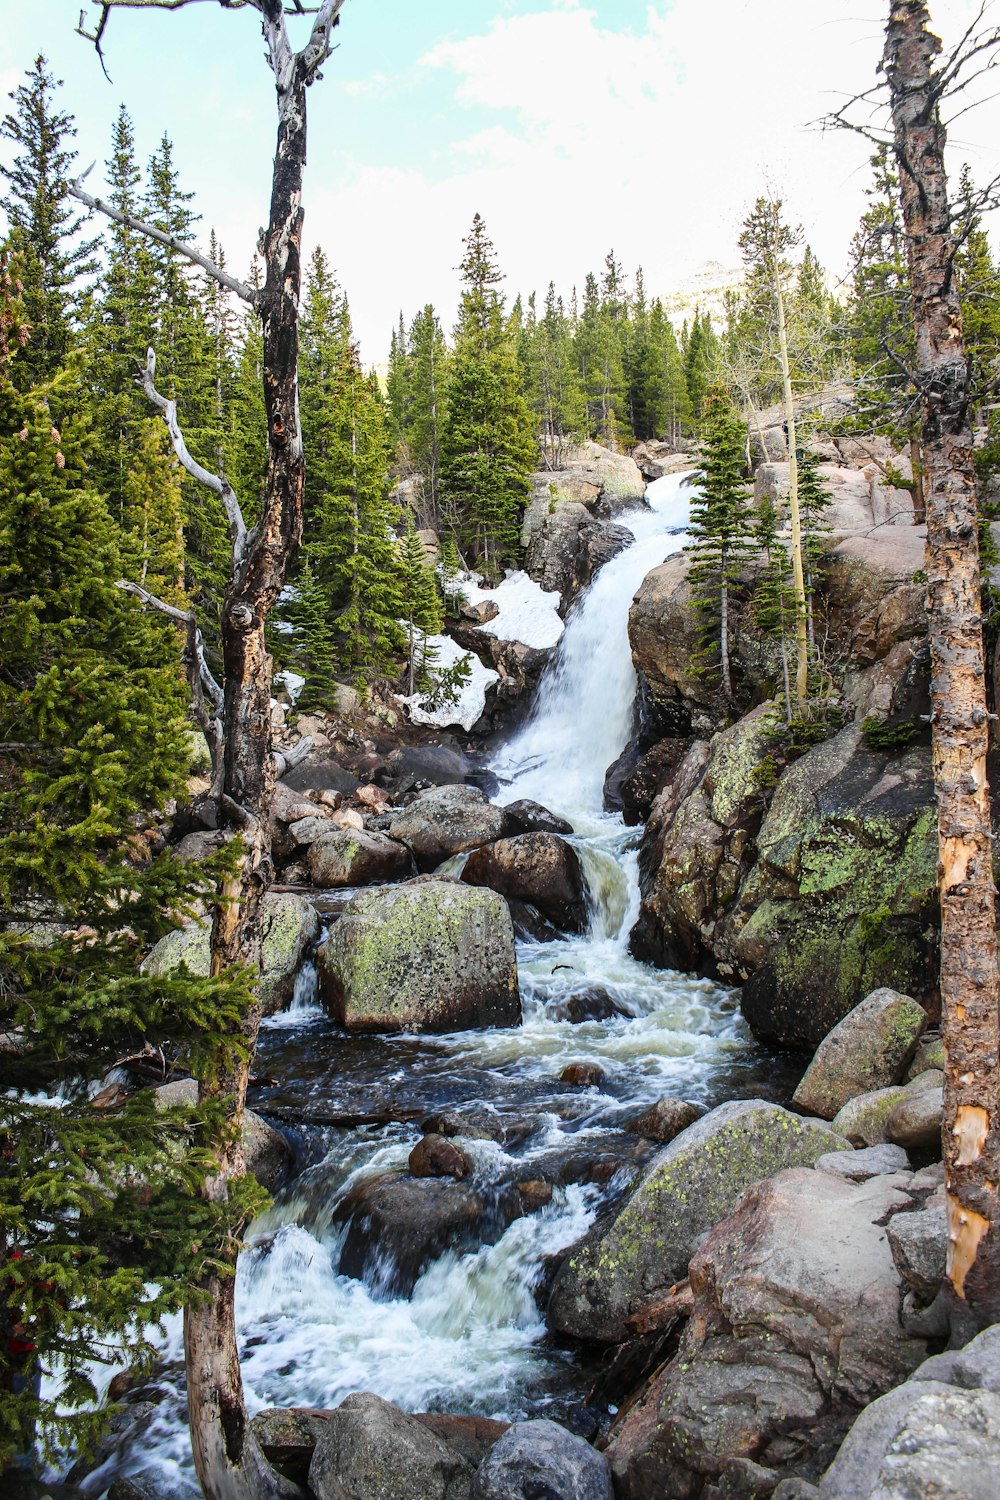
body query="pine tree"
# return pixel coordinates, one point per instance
(315, 642)
(101, 1221)
(880, 325)
(599, 360)
(398, 392)
(45, 231)
(700, 356)
(773, 598)
(814, 501)
(487, 444)
(246, 437)
(426, 379)
(720, 526)
(152, 545)
(420, 606)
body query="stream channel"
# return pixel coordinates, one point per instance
(469, 1336)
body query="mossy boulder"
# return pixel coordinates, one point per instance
(429, 955)
(344, 857)
(843, 897)
(691, 1185)
(863, 1120)
(291, 926)
(868, 1049)
(447, 820)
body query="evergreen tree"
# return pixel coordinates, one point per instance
(152, 545)
(880, 323)
(426, 378)
(555, 394)
(101, 1221)
(45, 230)
(420, 606)
(599, 360)
(700, 358)
(316, 656)
(720, 528)
(773, 594)
(246, 438)
(398, 392)
(814, 502)
(487, 444)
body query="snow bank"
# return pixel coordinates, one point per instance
(292, 683)
(528, 613)
(471, 700)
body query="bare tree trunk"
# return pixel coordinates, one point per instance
(917, 465)
(798, 578)
(727, 680)
(969, 983)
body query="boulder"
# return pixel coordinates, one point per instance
(319, 773)
(433, 955)
(349, 857)
(915, 1122)
(869, 1049)
(446, 821)
(291, 926)
(472, 1437)
(794, 1327)
(868, 1161)
(437, 1156)
(919, 1245)
(538, 868)
(591, 1004)
(370, 1450)
(582, 1075)
(435, 765)
(929, 1054)
(525, 816)
(543, 1460)
(288, 1437)
(843, 896)
(863, 1119)
(268, 1154)
(566, 546)
(641, 787)
(397, 1225)
(695, 1181)
(666, 1118)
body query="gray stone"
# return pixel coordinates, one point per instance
(870, 1161)
(268, 1154)
(432, 955)
(539, 868)
(929, 1054)
(915, 1122)
(665, 1119)
(919, 1244)
(974, 1368)
(863, 1119)
(869, 1049)
(525, 816)
(691, 1184)
(291, 926)
(445, 821)
(344, 857)
(370, 1450)
(543, 1460)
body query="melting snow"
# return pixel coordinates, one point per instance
(471, 699)
(292, 683)
(528, 613)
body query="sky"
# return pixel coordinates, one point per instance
(573, 126)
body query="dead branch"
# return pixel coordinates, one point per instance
(182, 247)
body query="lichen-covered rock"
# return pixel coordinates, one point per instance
(641, 786)
(431, 955)
(929, 1054)
(795, 1326)
(540, 1458)
(353, 856)
(565, 544)
(291, 926)
(869, 1049)
(539, 868)
(691, 1184)
(445, 821)
(863, 1119)
(915, 1122)
(370, 1450)
(843, 896)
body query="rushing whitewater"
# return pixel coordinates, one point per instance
(471, 1337)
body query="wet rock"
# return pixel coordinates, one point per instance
(320, 773)
(915, 1122)
(591, 1004)
(582, 1075)
(617, 773)
(545, 1461)
(869, 1049)
(641, 787)
(471, 1437)
(139, 1487)
(690, 1185)
(446, 821)
(429, 956)
(666, 1118)
(530, 925)
(535, 1194)
(267, 1152)
(540, 869)
(795, 1327)
(870, 1161)
(370, 1450)
(434, 765)
(288, 1437)
(480, 1125)
(291, 926)
(919, 1245)
(525, 816)
(842, 898)
(863, 1119)
(349, 857)
(566, 543)
(397, 1225)
(436, 1156)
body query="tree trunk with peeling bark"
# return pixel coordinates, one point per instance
(228, 1459)
(969, 983)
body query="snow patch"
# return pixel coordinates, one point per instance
(292, 683)
(471, 699)
(528, 613)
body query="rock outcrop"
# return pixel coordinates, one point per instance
(430, 955)
(869, 1049)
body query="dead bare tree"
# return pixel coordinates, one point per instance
(920, 78)
(228, 1460)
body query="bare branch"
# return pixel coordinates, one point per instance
(213, 482)
(182, 247)
(316, 51)
(181, 616)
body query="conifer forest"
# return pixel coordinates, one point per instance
(499, 990)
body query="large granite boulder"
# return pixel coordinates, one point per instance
(542, 1459)
(539, 868)
(795, 1326)
(869, 1049)
(431, 955)
(291, 926)
(368, 1449)
(627, 1265)
(353, 856)
(445, 821)
(843, 896)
